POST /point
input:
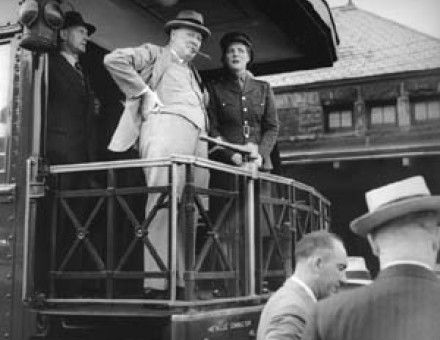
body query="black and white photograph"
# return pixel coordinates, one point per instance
(219, 169)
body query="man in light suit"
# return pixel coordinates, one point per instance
(404, 301)
(166, 113)
(321, 261)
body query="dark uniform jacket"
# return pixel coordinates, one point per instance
(403, 303)
(233, 110)
(70, 114)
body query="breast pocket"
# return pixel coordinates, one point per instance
(258, 104)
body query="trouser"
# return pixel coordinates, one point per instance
(163, 135)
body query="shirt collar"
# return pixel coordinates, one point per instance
(415, 263)
(305, 287)
(71, 59)
(180, 60)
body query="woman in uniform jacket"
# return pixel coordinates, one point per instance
(242, 108)
(242, 111)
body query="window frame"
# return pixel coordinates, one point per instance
(382, 103)
(339, 108)
(12, 42)
(423, 99)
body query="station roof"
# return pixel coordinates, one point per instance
(370, 46)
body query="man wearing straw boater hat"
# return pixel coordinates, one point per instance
(404, 301)
(164, 115)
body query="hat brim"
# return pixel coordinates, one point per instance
(183, 23)
(90, 28)
(366, 223)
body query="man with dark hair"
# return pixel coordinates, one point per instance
(404, 301)
(321, 260)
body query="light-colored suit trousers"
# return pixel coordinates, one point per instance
(163, 135)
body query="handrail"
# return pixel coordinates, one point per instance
(263, 201)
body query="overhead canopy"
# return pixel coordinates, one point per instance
(287, 34)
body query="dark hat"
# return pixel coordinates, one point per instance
(73, 18)
(189, 19)
(240, 37)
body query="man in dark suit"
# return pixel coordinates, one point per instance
(71, 106)
(404, 301)
(321, 260)
(70, 138)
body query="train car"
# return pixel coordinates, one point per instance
(234, 258)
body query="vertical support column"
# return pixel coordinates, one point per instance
(253, 235)
(403, 108)
(53, 239)
(321, 215)
(172, 249)
(111, 183)
(190, 232)
(237, 229)
(288, 235)
(359, 114)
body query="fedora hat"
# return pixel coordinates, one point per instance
(73, 18)
(395, 200)
(240, 37)
(190, 19)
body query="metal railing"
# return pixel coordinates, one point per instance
(238, 234)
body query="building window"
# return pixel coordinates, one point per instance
(5, 124)
(426, 111)
(383, 115)
(339, 120)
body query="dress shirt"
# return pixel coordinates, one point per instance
(305, 287)
(415, 263)
(180, 93)
(71, 59)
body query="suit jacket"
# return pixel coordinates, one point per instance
(132, 69)
(285, 314)
(402, 304)
(230, 106)
(70, 114)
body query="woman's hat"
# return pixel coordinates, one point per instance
(189, 19)
(73, 18)
(395, 200)
(240, 37)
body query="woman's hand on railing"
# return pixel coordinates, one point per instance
(237, 159)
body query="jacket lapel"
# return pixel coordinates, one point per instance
(70, 74)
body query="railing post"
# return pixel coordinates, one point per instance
(111, 183)
(172, 254)
(53, 238)
(250, 237)
(190, 231)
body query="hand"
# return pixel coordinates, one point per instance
(151, 101)
(237, 159)
(253, 149)
(258, 160)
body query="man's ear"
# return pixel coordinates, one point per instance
(315, 263)
(63, 34)
(374, 247)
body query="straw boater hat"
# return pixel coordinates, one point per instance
(395, 200)
(189, 19)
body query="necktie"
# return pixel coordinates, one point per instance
(78, 68)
